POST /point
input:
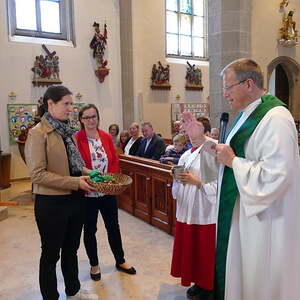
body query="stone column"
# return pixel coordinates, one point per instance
(126, 62)
(229, 24)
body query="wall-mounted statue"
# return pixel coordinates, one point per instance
(288, 35)
(160, 77)
(283, 4)
(46, 69)
(98, 44)
(193, 78)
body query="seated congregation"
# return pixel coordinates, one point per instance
(152, 146)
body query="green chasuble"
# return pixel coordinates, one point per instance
(229, 190)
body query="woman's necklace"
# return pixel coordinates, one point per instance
(92, 135)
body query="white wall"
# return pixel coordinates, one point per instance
(266, 21)
(148, 48)
(76, 65)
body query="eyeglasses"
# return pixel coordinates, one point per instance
(227, 88)
(90, 118)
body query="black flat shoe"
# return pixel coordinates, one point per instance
(96, 277)
(131, 271)
(193, 291)
(196, 292)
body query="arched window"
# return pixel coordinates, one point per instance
(50, 19)
(186, 29)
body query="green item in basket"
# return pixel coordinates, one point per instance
(96, 176)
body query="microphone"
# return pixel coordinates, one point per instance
(223, 125)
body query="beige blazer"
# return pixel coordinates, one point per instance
(47, 161)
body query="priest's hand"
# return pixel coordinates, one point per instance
(225, 154)
(189, 178)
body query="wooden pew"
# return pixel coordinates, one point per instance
(5, 159)
(8, 203)
(149, 197)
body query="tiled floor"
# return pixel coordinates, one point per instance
(147, 248)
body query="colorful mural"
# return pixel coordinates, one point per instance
(20, 119)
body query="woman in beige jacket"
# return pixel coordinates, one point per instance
(56, 167)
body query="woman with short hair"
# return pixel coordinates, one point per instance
(134, 142)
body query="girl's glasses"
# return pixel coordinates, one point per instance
(90, 118)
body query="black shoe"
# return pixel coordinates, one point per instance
(194, 291)
(131, 271)
(96, 277)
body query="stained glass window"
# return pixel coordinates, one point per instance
(186, 6)
(186, 28)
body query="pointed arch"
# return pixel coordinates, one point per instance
(292, 70)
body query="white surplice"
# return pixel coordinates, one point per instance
(263, 258)
(197, 205)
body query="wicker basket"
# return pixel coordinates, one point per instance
(113, 188)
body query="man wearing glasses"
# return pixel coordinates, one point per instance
(258, 242)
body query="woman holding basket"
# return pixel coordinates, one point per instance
(98, 152)
(56, 169)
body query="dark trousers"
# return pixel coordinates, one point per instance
(59, 220)
(109, 211)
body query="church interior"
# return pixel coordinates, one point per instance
(138, 36)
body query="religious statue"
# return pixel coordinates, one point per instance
(288, 35)
(46, 69)
(98, 44)
(160, 77)
(56, 67)
(193, 78)
(283, 4)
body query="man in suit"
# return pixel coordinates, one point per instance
(152, 145)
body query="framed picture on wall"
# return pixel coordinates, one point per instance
(20, 117)
(197, 109)
(74, 116)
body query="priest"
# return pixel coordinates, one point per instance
(258, 229)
